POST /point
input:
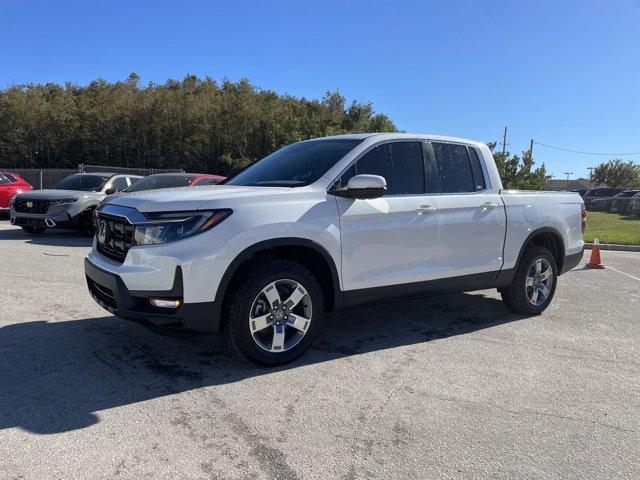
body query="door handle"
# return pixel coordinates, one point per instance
(426, 209)
(487, 205)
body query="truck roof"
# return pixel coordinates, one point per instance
(399, 135)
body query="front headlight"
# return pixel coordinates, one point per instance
(172, 226)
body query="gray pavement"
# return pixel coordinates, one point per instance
(444, 387)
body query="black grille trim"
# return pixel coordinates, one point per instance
(103, 295)
(114, 237)
(39, 206)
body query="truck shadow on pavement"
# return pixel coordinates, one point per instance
(51, 238)
(55, 376)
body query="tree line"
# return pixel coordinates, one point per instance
(195, 124)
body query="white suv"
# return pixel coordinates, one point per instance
(325, 224)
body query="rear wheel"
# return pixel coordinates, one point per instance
(274, 314)
(33, 230)
(534, 285)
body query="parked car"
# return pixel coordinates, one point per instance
(620, 203)
(581, 191)
(601, 197)
(172, 180)
(10, 185)
(634, 205)
(69, 204)
(166, 180)
(325, 224)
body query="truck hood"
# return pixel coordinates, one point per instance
(54, 194)
(187, 198)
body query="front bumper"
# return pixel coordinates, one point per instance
(57, 220)
(110, 292)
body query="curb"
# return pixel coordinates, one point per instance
(615, 247)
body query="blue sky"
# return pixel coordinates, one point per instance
(565, 73)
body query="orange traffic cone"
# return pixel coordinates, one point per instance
(594, 261)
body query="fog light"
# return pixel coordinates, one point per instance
(162, 303)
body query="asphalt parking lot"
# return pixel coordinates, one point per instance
(443, 387)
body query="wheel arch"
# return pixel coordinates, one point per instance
(308, 253)
(549, 238)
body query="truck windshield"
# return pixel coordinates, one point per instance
(295, 165)
(86, 183)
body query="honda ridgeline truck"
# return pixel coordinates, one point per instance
(325, 224)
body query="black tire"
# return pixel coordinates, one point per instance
(86, 225)
(236, 319)
(33, 230)
(515, 296)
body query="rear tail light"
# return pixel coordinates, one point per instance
(583, 211)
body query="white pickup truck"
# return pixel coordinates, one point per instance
(325, 224)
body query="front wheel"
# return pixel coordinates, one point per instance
(534, 285)
(274, 315)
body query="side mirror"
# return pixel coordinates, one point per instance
(364, 187)
(110, 191)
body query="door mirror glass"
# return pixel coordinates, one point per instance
(110, 191)
(364, 187)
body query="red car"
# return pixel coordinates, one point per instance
(10, 185)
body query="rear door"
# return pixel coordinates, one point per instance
(471, 214)
(392, 239)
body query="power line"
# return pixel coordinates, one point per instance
(586, 153)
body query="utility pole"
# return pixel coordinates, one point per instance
(504, 142)
(591, 174)
(531, 149)
(567, 174)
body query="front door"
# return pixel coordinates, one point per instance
(393, 239)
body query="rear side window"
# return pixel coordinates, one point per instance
(476, 169)
(454, 168)
(11, 178)
(400, 163)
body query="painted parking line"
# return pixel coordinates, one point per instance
(623, 273)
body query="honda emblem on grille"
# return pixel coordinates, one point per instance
(29, 204)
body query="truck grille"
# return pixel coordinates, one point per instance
(114, 237)
(31, 206)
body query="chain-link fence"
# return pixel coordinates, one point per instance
(40, 178)
(614, 219)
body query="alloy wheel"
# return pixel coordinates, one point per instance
(539, 281)
(280, 315)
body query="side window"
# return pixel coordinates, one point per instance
(11, 178)
(454, 168)
(119, 183)
(400, 163)
(476, 168)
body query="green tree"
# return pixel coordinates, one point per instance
(617, 173)
(194, 123)
(517, 172)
